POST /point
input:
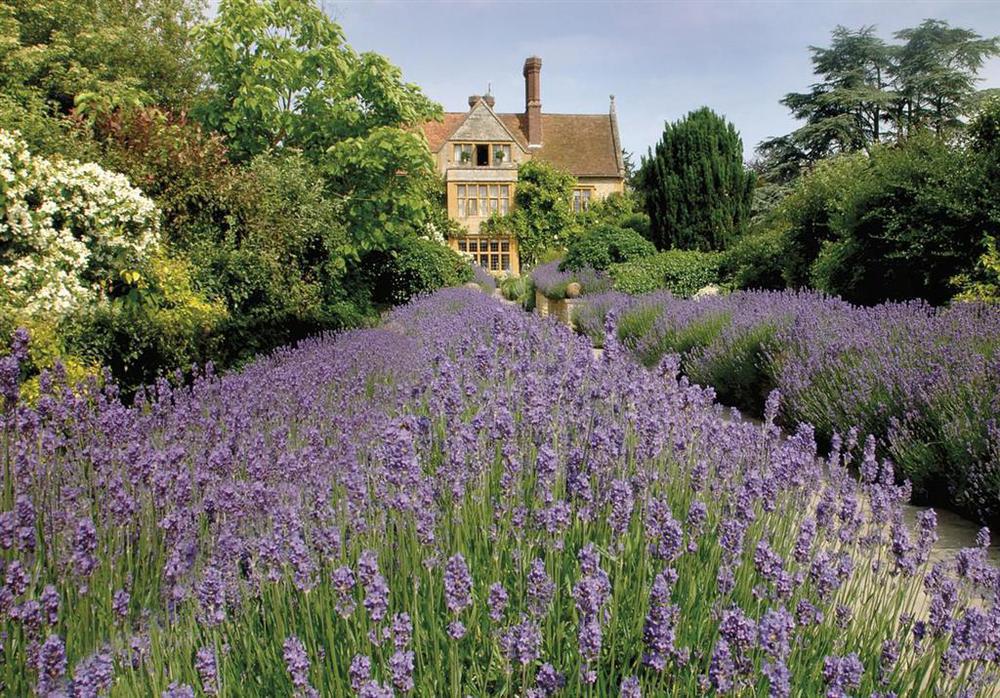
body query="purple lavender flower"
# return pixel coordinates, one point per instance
(93, 676)
(768, 563)
(205, 665)
(842, 674)
(360, 671)
(740, 634)
(84, 545)
(178, 690)
(779, 679)
(120, 602)
(661, 621)
(456, 629)
(541, 588)
(457, 584)
(402, 630)
(401, 664)
(521, 642)
(497, 602)
(51, 665)
(50, 604)
(548, 680)
(377, 597)
(297, 663)
(721, 669)
(375, 690)
(807, 532)
(888, 659)
(775, 628)
(630, 688)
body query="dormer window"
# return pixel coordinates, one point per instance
(482, 154)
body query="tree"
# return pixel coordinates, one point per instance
(871, 92)
(935, 75)
(98, 54)
(283, 78)
(696, 188)
(542, 219)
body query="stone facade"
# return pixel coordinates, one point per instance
(478, 152)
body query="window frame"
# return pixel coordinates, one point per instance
(471, 147)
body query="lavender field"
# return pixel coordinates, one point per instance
(925, 382)
(464, 502)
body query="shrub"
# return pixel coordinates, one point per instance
(413, 267)
(755, 261)
(553, 508)
(552, 282)
(682, 272)
(486, 281)
(600, 247)
(909, 227)
(71, 233)
(164, 325)
(520, 289)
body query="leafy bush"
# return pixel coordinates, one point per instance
(909, 226)
(71, 233)
(166, 324)
(682, 272)
(812, 213)
(604, 245)
(755, 261)
(415, 266)
(520, 289)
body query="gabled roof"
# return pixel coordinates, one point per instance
(582, 144)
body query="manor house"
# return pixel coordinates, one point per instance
(478, 152)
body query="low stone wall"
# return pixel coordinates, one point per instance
(541, 304)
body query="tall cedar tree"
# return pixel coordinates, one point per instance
(696, 188)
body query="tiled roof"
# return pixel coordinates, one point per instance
(581, 144)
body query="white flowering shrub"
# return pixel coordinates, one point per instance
(68, 230)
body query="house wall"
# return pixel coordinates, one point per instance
(603, 185)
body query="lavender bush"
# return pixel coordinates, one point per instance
(464, 502)
(552, 282)
(924, 381)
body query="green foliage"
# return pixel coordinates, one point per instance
(604, 245)
(98, 54)
(695, 187)
(167, 324)
(812, 213)
(542, 218)
(420, 266)
(175, 162)
(983, 283)
(907, 227)
(284, 78)
(520, 289)
(756, 261)
(682, 272)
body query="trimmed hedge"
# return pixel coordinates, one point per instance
(682, 272)
(604, 245)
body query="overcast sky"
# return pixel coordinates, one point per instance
(659, 59)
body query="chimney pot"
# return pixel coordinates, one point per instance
(533, 99)
(489, 100)
(474, 100)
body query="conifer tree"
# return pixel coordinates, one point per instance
(696, 188)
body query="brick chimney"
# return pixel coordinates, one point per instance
(533, 99)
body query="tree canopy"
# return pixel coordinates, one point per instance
(696, 188)
(870, 91)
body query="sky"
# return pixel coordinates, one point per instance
(660, 59)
